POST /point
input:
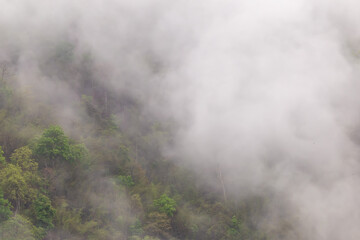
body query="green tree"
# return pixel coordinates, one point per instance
(136, 228)
(237, 229)
(2, 158)
(166, 205)
(53, 146)
(22, 157)
(5, 206)
(43, 211)
(126, 180)
(19, 179)
(78, 152)
(14, 185)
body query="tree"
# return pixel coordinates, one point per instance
(166, 205)
(55, 147)
(78, 152)
(237, 229)
(43, 211)
(19, 179)
(136, 228)
(2, 158)
(14, 185)
(5, 206)
(126, 180)
(22, 157)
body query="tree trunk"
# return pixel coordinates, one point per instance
(222, 183)
(17, 208)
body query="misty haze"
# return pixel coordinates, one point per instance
(179, 120)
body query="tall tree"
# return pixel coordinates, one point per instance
(43, 211)
(14, 185)
(53, 146)
(19, 179)
(5, 206)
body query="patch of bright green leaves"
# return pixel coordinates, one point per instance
(55, 146)
(166, 205)
(126, 181)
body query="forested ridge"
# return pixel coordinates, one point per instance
(107, 177)
(179, 120)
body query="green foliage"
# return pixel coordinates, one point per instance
(5, 207)
(43, 211)
(22, 157)
(80, 182)
(166, 205)
(17, 228)
(2, 158)
(14, 185)
(39, 233)
(78, 152)
(234, 222)
(19, 179)
(70, 220)
(136, 228)
(237, 229)
(126, 181)
(123, 153)
(53, 145)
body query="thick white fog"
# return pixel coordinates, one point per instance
(266, 91)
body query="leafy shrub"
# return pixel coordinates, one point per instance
(166, 205)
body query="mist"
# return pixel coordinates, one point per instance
(264, 91)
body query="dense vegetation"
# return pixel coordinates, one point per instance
(103, 177)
